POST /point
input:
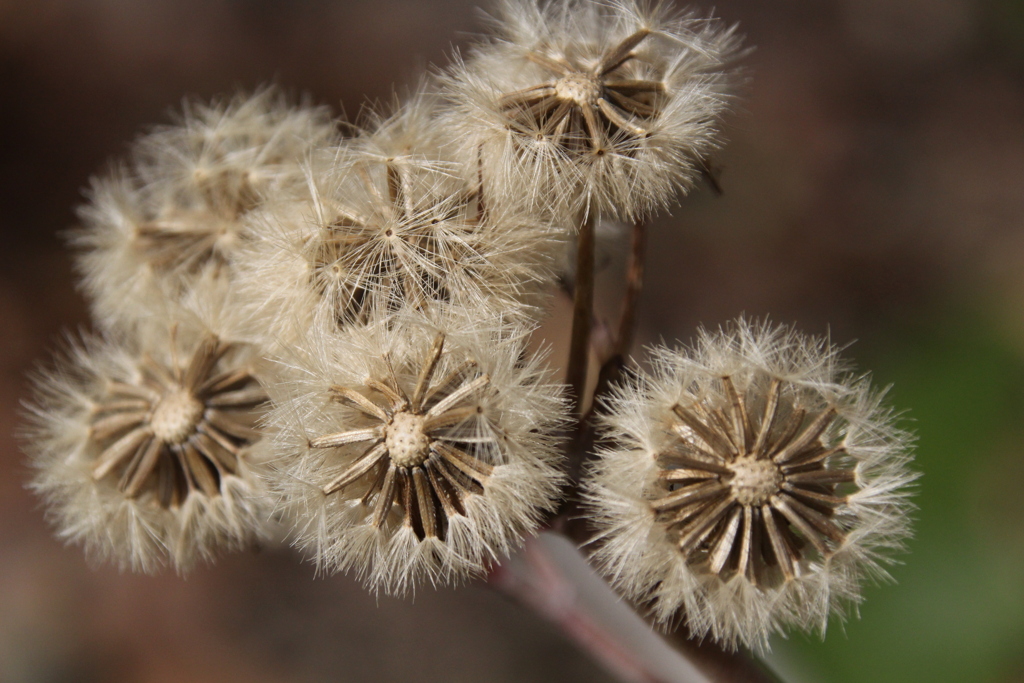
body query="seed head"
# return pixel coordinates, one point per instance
(142, 450)
(751, 485)
(415, 450)
(600, 106)
(176, 209)
(372, 233)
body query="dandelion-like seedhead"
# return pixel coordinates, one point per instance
(370, 234)
(591, 105)
(751, 483)
(415, 451)
(176, 210)
(141, 446)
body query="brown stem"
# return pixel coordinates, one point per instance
(634, 285)
(612, 366)
(583, 436)
(582, 312)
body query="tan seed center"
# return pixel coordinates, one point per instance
(579, 88)
(408, 445)
(754, 481)
(176, 416)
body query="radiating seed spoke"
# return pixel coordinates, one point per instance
(222, 439)
(552, 64)
(814, 430)
(684, 474)
(823, 498)
(718, 421)
(820, 522)
(635, 85)
(747, 541)
(115, 388)
(812, 457)
(396, 187)
(822, 476)
(342, 438)
(398, 402)
(771, 410)
(593, 128)
(538, 109)
(526, 94)
(203, 359)
(453, 476)
(618, 55)
(452, 417)
(622, 122)
(366, 462)
(405, 492)
(683, 514)
(225, 380)
(357, 400)
(426, 503)
(230, 426)
(459, 371)
(808, 531)
(132, 405)
(467, 464)
(157, 372)
(723, 547)
(689, 494)
(238, 399)
(789, 428)
(463, 392)
(119, 450)
(141, 469)
(201, 474)
(427, 372)
(217, 449)
(106, 427)
(382, 506)
(378, 483)
(696, 530)
(558, 116)
(779, 547)
(450, 509)
(692, 463)
(717, 443)
(167, 489)
(630, 105)
(738, 413)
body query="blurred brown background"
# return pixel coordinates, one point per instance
(873, 188)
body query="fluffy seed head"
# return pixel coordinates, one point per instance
(591, 105)
(141, 447)
(371, 233)
(175, 211)
(752, 484)
(414, 450)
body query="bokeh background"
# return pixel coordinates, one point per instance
(874, 190)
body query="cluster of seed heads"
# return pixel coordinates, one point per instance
(332, 332)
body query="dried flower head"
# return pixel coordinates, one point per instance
(177, 209)
(415, 451)
(141, 447)
(371, 234)
(752, 484)
(611, 106)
